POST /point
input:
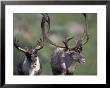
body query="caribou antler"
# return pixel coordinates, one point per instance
(85, 33)
(17, 45)
(40, 44)
(86, 28)
(66, 42)
(79, 43)
(46, 19)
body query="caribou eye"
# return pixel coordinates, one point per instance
(71, 54)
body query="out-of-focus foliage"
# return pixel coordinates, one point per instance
(27, 29)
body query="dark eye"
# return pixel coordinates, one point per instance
(71, 54)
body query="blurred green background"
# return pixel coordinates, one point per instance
(27, 29)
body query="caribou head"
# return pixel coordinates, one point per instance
(30, 63)
(64, 58)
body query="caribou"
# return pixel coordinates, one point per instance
(64, 58)
(30, 63)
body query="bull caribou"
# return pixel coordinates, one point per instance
(65, 58)
(30, 63)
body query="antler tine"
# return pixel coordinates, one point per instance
(86, 40)
(46, 18)
(40, 44)
(44, 14)
(66, 42)
(68, 39)
(17, 45)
